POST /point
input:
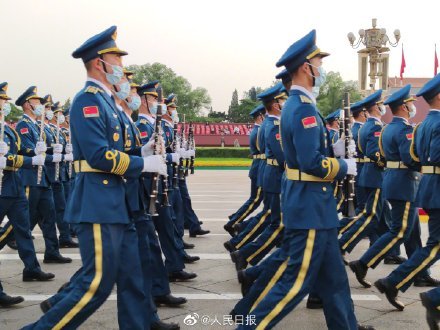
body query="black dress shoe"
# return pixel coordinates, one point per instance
(161, 325)
(360, 270)
(59, 259)
(187, 259)
(228, 246)
(239, 261)
(6, 301)
(432, 313)
(200, 222)
(72, 234)
(237, 229)
(199, 233)
(181, 276)
(390, 292)
(314, 303)
(188, 246)
(169, 300)
(12, 244)
(37, 276)
(426, 281)
(245, 281)
(365, 327)
(69, 245)
(344, 258)
(45, 306)
(394, 260)
(229, 229)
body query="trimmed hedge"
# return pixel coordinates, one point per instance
(217, 152)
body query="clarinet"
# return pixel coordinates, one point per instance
(175, 166)
(154, 178)
(349, 180)
(165, 189)
(70, 163)
(57, 165)
(188, 141)
(2, 138)
(192, 147)
(182, 138)
(40, 168)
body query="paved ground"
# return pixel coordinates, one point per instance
(215, 195)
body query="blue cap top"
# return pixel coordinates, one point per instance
(399, 97)
(66, 112)
(283, 75)
(372, 99)
(333, 116)
(259, 109)
(170, 101)
(431, 88)
(356, 107)
(3, 91)
(271, 93)
(148, 88)
(47, 100)
(299, 52)
(102, 43)
(30, 93)
(56, 107)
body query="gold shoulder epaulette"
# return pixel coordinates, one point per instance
(143, 121)
(305, 99)
(377, 123)
(276, 122)
(92, 89)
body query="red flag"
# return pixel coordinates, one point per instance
(435, 60)
(402, 65)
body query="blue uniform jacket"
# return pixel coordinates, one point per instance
(12, 185)
(306, 146)
(333, 135)
(253, 171)
(261, 145)
(426, 149)
(395, 140)
(146, 130)
(273, 174)
(368, 143)
(355, 132)
(97, 135)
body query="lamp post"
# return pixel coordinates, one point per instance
(376, 51)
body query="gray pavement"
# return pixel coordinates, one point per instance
(215, 194)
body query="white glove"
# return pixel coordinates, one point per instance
(175, 157)
(147, 150)
(155, 164)
(57, 148)
(40, 148)
(192, 153)
(4, 148)
(352, 148)
(339, 148)
(69, 148)
(351, 166)
(182, 153)
(56, 158)
(2, 162)
(38, 160)
(68, 157)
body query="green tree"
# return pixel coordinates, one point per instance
(234, 104)
(67, 104)
(189, 100)
(332, 92)
(15, 114)
(241, 114)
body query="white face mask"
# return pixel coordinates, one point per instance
(61, 118)
(412, 110)
(175, 116)
(49, 114)
(383, 109)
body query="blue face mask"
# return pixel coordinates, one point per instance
(6, 109)
(124, 91)
(135, 102)
(38, 110)
(153, 108)
(319, 80)
(115, 77)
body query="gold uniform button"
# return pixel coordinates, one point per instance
(324, 188)
(117, 127)
(105, 181)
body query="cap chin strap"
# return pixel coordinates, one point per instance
(105, 69)
(313, 76)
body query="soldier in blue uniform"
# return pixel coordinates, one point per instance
(256, 196)
(425, 150)
(431, 301)
(253, 252)
(400, 183)
(310, 247)
(40, 197)
(13, 202)
(163, 222)
(97, 206)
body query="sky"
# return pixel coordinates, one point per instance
(220, 45)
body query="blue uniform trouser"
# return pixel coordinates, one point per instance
(255, 251)
(59, 198)
(255, 226)
(177, 210)
(188, 212)
(402, 222)
(434, 298)
(166, 231)
(310, 260)
(17, 211)
(366, 224)
(403, 276)
(42, 210)
(109, 254)
(249, 206)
